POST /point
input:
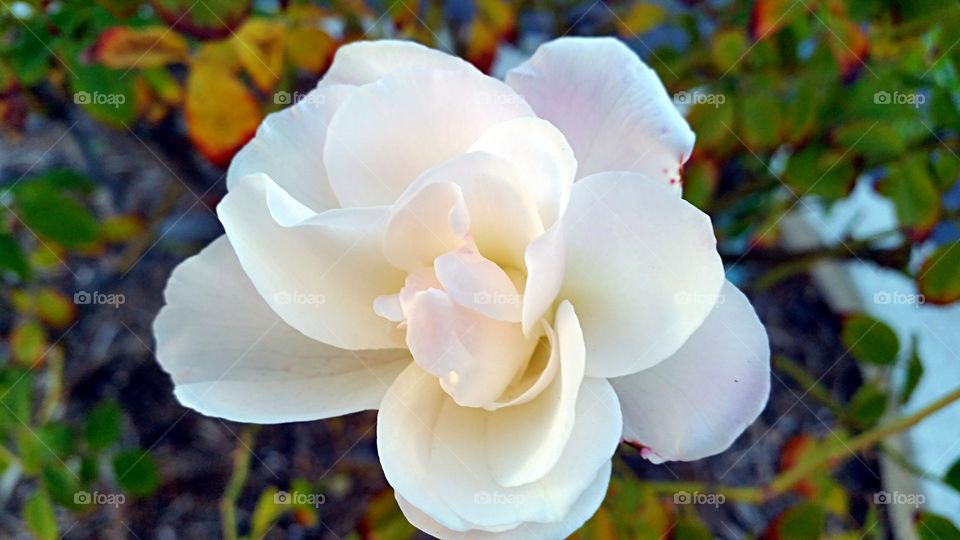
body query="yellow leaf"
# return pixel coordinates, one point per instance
(122, 47)
(28, 343)
(641, 18)
(221, 54)
(221, 113)
(259, 47)
(308, 46)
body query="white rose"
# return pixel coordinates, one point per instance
(508, 273)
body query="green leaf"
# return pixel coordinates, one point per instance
(867, 405)
(820, 172)
(103, 93)
(947, 169)
(869, 340)
(939, 276)
(914, 194)
(49, 213)
(690, 528)
(31, 452)
(873, 140)
(136, 472)
(17, 388)
(266, 512)
(952, 478)
(728, 49)
(914, 372)
(699, 182)
(713, 124)
(12, 257)
(39, 517)
(30, 55)
(805, 521)
(57, 439)
(760, 116)
(61, 483)
(934, 527)
(103, 427)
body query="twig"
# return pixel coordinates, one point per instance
(238, 477)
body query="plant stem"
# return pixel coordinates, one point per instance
(810, 385)
(828, 458)
(238, 477)
(858, 443)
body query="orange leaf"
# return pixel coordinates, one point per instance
(221, 113)
(122, 47)
(850, 47)
(259, 47)
(769, 16)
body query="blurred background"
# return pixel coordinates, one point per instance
(827, 156)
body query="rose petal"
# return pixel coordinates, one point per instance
(389, 132)
(288, 147)
(539, 430)
(545, 262)
(697, 402)
(405, 437)
(478, 283)
(294, 255)
(586, 506)
(541, 155)
(642, 270)
(231, 356)
(364, 62)
(474, 356)
(460, 452)
(611, 107)
(425, 223)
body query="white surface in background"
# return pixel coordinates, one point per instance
(891, 297)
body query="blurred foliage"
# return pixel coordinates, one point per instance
(793, 103)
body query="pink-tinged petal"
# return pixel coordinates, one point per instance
(319, 272)
(642, 270)
(474, 357)
(429, 220)
(697, 402)
(611, 107)
(232, 357)
(389, 132)
(478, 283)
(542, 157)
(364, 62)
(524, 442)
(288, 147)
(586, 506)
(460, 451)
